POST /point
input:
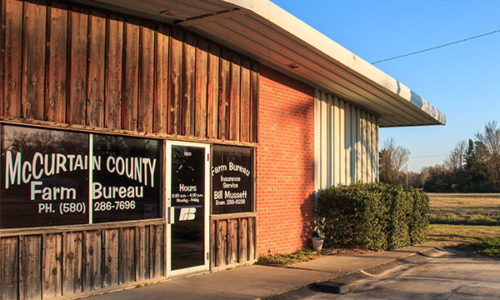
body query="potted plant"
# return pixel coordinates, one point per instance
(318, 236)
(317, 241)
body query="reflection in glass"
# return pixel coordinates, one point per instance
(44, 177)
(188, 200)
(232, 179)
(126, 178)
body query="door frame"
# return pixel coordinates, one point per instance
(206, 265)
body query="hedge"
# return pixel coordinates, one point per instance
(372, 216)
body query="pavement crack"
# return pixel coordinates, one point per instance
(313, 270)
(437, 279)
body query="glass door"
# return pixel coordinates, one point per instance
(188, 195)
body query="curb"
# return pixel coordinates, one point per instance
(342, 284)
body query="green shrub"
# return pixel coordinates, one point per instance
(372, 216)
(420, 217)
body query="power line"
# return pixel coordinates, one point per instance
(431, 155)
(437, 47)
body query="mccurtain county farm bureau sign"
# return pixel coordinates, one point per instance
(46, 178)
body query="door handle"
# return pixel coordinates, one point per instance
(171, 215)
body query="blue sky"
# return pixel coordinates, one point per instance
(461, 80)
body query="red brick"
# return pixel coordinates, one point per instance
(285, 163)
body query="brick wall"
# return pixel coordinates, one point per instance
(285, 163)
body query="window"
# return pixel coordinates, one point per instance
(125, 178)
(46, 177)
(232, 179)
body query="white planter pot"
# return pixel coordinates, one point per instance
(317, 243)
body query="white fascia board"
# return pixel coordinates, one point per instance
(313, 38)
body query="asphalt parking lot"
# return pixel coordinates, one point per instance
(444, 275)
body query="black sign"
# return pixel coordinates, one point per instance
(232, 178)
(46, 174)
(44, 177)
(126, 178)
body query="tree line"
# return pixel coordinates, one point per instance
(472, 166)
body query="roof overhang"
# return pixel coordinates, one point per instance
(263, 31)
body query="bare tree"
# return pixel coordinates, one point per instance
(393, 159)
(490, 140)
(456, 159)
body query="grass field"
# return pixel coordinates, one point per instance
(465, 209)
(472, 219)
(459, 234)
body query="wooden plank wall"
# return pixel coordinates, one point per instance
(232, 241)
(68, 64)
(44, 266)
(63, 65)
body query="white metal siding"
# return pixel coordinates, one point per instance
(346, 142)
(347, 146)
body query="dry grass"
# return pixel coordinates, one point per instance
(459, 234)
(464, 200)
(464, 218)
(465, 209)
(287, 259)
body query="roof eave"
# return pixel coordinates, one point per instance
(358, 66)
(272, 36)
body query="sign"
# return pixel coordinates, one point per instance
(125, 178)
(44, 177)
(187, 178)
(232, 178)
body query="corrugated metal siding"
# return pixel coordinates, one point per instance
(346, 142)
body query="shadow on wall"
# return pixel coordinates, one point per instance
(307, 213)
(307, 184)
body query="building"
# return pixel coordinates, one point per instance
(145, 139)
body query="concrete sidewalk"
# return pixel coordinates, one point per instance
(261, 281)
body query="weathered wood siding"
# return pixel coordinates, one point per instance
(232, 240)
(70, 65)
(346, 142)
(41, 266)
